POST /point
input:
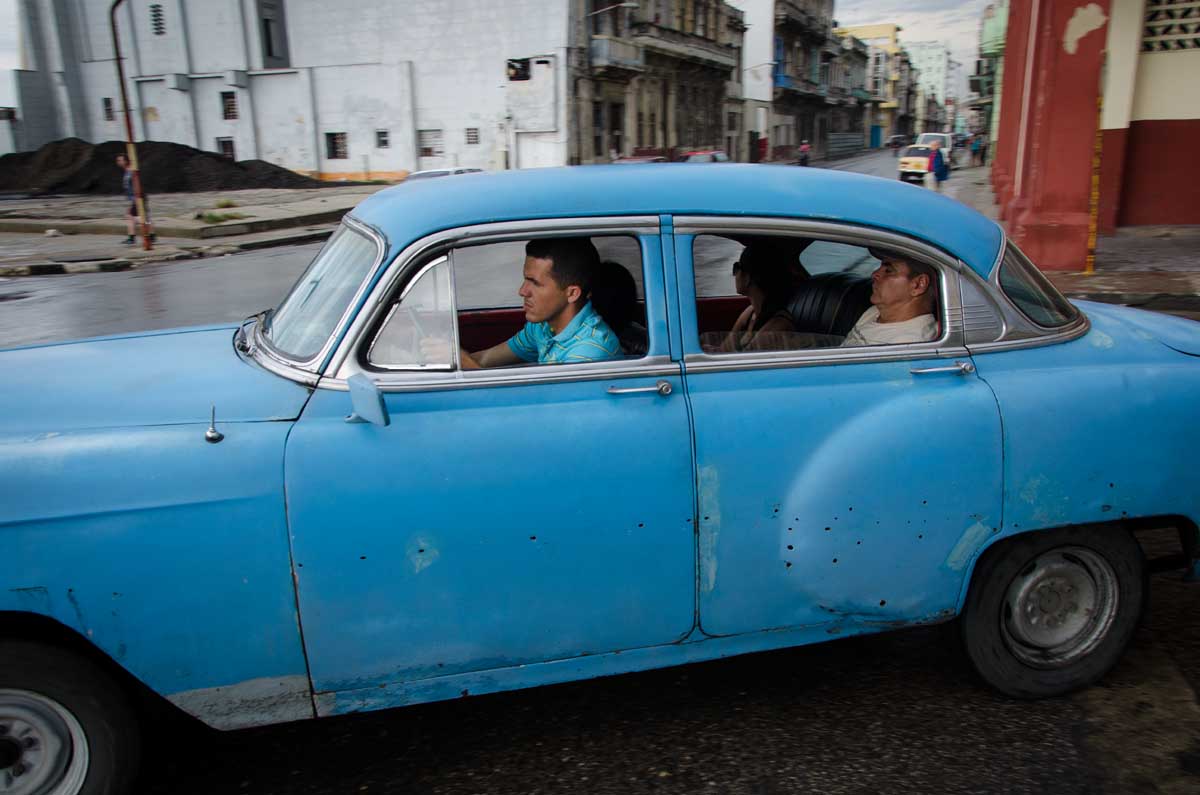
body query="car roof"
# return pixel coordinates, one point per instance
(405, 213)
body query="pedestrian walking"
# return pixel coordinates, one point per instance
(805, 150)
(939, 168)
(975, 149)
(131, 210)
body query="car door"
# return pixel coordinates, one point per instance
(502, 518)
(834, 485)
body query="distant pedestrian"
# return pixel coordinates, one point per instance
(975, 151)
(939, 168)
(131, 210)
(983, 149)
(805, 151)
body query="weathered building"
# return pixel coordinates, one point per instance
(891, 77)
(375, 89)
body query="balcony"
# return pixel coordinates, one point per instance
(790, 16)
(610, 55)
(684, 46)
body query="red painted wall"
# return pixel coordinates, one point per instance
(1113, 146)
(1161, 181)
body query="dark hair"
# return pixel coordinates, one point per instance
(614, 295)
(767, 269)
(573, 260)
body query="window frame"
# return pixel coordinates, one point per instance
(949, 345)
(401, 272)
(229, 106)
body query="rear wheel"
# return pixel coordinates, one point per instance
(65, 726)
(1052, 612)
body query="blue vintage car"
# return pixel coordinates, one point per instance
(326, 509)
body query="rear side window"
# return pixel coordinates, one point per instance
(1032, 292)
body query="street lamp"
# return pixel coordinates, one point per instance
(131, 160)
(610, 8)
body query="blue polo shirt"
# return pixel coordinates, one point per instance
(587, 338)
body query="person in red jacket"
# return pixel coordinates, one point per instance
(938, 166)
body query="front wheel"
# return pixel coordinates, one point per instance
(1052, 612)
(65, 726)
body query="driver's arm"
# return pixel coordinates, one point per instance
(496, 356)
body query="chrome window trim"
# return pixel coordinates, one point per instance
(981, 286)
(343, 364)
(272, 365)
(428, 266)
(1019, 330)
(949, 268)
(646, 367)
(313, 364)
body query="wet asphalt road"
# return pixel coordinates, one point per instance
(892, 713)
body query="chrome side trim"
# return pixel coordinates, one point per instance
(648, 367)
(477, 234)
(313, 365)
(826, 230)
(710, 363)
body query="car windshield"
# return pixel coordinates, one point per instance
(917, 151)
(928, 138)
(309, 314)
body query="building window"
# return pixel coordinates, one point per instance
(273, 34)
(229, 105)
(1171, 25)
(429, 143)
(382, 141)
(598, 129)
(157, 23)
(336, 147)
(518, 69)
(108, 108)
(225, 147)
(472, 136)
(731, 120)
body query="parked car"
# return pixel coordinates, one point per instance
(897, 141)
(914, 163)
(705, 156)
(317, 512)
(625, 161)
(947, 144)
(440, 172)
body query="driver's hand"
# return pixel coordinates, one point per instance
(436, 349)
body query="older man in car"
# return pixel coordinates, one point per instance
(903, 297)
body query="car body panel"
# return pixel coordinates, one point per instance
(167, 552)
(156, 378)
(1099, 428)
(410, 212)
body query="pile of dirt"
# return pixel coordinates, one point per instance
(75, 166)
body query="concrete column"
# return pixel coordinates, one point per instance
(1049, 215)
(587, 153)
(669, 112)
(1120, 77)
(631, 110)
(1016, 47)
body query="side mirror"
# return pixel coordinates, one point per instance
(366, 400)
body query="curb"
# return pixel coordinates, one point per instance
(60, 268)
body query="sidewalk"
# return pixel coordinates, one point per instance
(1152, 267)
(77, 234)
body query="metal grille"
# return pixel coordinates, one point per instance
(225, 147)
(1171, 25)
(229, 105)
(108, 108)
(336, 147)
(382, 139)
(157, 23)
(430, 143)
(472, 136)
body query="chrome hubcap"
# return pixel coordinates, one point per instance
(42, 746)
(1060, 607)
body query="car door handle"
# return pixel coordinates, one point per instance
(662, 387)
(962, 368)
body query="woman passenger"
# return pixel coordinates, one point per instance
(763, 278)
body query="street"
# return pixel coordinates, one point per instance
(893, 712)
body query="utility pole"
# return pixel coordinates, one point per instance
(130, 149)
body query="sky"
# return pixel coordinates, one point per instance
(955, 22)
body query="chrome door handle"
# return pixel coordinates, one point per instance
(662, 387)
(962, 368)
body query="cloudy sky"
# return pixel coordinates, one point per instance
(955, 22)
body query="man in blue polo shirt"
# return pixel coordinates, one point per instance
(561, 325)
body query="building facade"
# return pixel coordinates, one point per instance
(376, 89)
(987, 79)
(1064, 171)
(891, 78)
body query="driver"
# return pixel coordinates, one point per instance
(561, 324)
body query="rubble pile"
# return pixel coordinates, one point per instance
(75, 166)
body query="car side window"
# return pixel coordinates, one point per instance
(423, 313)
(779, 293)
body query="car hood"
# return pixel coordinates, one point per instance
(1177, 333)
(156, 378)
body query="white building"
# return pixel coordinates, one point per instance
(375, 88)
(939, 73)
